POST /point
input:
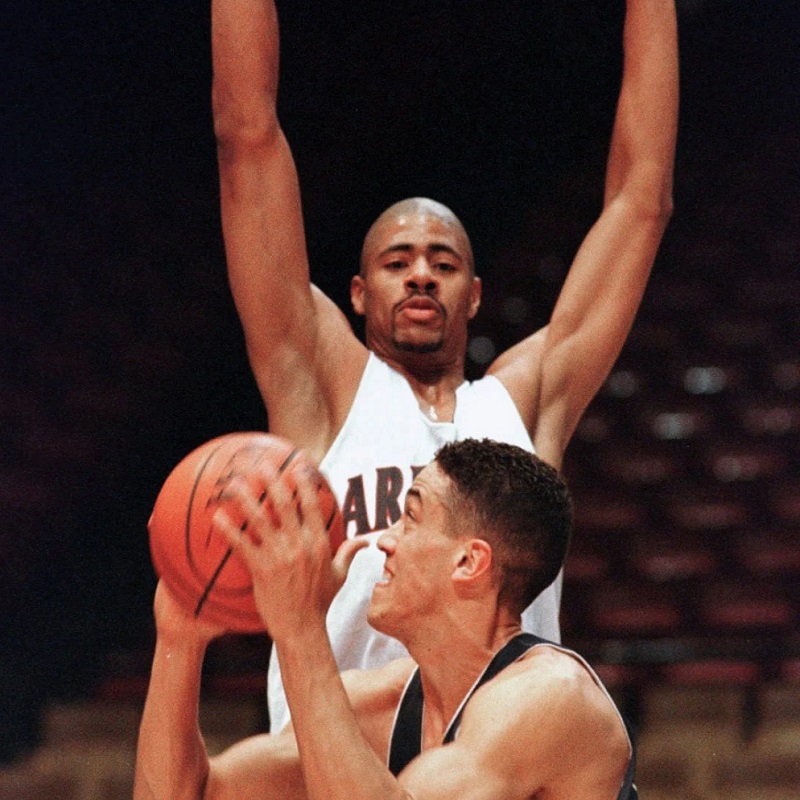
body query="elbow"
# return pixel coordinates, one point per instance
(654, 215)
(644, 188)
(665, 210)
(659, 211)
(665, 205)
(240, 125)
(651, 202)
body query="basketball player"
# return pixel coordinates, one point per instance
(484, 530)
(373, 414)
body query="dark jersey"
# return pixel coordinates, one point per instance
(406, 741)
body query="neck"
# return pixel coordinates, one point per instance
(445, 365)
(449, 667)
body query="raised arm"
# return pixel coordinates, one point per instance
(287, 323)
(554, 374)
(171, 758)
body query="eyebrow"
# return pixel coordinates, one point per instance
(436, 247)
(414, 494)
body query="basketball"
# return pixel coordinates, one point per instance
(198, 565)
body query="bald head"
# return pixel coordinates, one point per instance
(399, 213)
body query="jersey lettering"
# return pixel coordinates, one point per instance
(389, 485)
(387, 493)
(354, 507)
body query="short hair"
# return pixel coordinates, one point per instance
(521, 506)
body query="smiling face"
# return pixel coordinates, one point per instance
(416, 289)
(422, 552)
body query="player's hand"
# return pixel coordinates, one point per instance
(286, 548)
(177, 624)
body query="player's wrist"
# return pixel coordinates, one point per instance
(186, 645)
(303, 632)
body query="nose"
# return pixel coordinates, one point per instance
(421, 278)
(387, 541)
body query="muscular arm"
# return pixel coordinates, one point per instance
(542, 726)
(554, 374)
(288, 326)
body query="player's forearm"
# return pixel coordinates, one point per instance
(338, 762)
(642, 147)
(244, 47)
(171, 759)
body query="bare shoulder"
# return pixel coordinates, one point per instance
(545, 677)
(532, 385)
(318, 383)
(335, 336)
(518, 369)
(241, 772)
(550, 704)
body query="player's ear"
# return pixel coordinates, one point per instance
(474, 561)
(357, 294)
(475, 297)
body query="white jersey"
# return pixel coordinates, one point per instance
(385, 441)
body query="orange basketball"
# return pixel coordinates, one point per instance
(197, 565)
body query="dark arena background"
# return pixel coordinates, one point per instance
(120, 350)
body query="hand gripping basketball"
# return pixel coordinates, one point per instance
(195, 561)
(285, 545)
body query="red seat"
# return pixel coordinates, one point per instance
(588, 561)
(784, 501)
(696, 508)
(634, 610)
(673, 556)
(769, 419)
(783, 374)
(595, 428)
(768, 552)
(743, 461)
(713, 671)
(607, 512)
(638, 464)
(736, 607)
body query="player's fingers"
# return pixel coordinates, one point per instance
(277, 496)
(234, 534)
(344, 556)
(249, 499)
(308, 504)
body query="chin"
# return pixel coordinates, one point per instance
(418, 347)
(379, 621)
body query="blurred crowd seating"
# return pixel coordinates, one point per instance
(121, 352)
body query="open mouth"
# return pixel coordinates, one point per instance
(386, 578)
(420, 309)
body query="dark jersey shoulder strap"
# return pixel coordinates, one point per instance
(506, 655)
(406, 741)
(629, 790)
